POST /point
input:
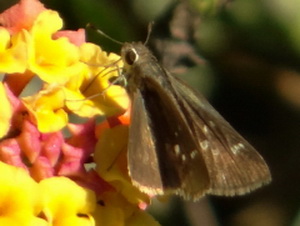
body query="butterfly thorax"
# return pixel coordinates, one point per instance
(138, 67)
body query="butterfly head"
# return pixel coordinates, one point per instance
(135, 53)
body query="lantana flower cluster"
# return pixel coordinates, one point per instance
(54, 172)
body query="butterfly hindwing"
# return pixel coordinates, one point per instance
(234, 166)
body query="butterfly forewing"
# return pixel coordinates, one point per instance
(177, 142)
(142, 159)
(167, 140)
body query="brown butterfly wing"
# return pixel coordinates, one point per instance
(161, 145)
(234, 166)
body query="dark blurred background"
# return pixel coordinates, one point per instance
(244, 55)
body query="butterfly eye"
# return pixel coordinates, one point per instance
(131, 57)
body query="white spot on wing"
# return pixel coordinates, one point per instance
(237, 147)
(183, 157)
(215, 151)
(205, 129)
(204, 144)
(177, 149)
(193, 154)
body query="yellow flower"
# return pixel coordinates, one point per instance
(65, 203)
(115, 210)
(77, 77)
(111, 159)
(19, 197)
(91, 92)
(46, 108)
(54, 61)
(6, 112)
(13, 52)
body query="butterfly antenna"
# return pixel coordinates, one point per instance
(103, 34)
(150, 26)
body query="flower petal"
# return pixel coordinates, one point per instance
(66, 203)
(6, 111)
(46, 108)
